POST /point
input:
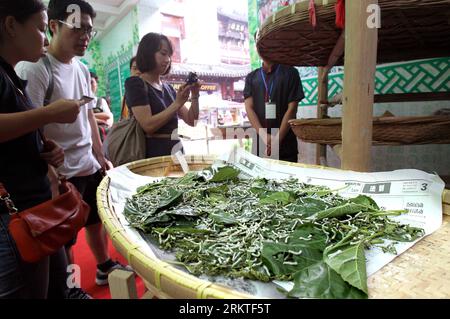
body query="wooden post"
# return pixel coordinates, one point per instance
(321, 150)
(359, 81)
(122, 284)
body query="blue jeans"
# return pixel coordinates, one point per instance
(11, 280)
(21, 280)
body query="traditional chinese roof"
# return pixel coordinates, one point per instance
(220, 70)
(233, 16)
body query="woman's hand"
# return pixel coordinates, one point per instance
(101, 122)
(195, 89)
(52, 154)
(63, 111)
(183, 94)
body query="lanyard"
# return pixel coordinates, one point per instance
(268, 93)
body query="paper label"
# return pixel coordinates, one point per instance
(271, 111)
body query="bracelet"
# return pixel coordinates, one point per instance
(195, 97)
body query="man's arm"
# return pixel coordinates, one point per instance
(253, 118)
(256, 124)
(106, 116)
(96, 142)
(290, 114)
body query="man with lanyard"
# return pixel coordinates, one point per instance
(272, 94)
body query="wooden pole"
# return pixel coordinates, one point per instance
(321, 150)
(322, 105)
(122, 284)
(359, 81)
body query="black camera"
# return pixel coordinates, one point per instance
(192, 78)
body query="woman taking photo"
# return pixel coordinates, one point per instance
(155, 104)
(23, 164)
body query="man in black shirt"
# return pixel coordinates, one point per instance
(272, 94)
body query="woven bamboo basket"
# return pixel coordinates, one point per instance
(411, 29)
(396, 130)
(422, 271)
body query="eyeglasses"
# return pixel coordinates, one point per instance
(81, 31)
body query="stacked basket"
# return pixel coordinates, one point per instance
(396, 130)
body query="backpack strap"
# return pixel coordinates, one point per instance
(48, 67)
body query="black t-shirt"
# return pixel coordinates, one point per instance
(22, 171)
(138, 93)
(285, 86)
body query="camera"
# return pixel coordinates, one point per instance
(192, 78)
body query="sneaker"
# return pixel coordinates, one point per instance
(101, 277)
(78, 293)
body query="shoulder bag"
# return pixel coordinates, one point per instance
(125, 141)
(41, 230)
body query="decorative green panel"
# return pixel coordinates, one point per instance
(98, 68)
(414, 77)
(407, 77)
(117, 50)
(115, 90)
(118, 71)
(253, 26)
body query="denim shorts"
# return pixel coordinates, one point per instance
(10, 273)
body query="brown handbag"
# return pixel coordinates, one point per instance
(41, 230)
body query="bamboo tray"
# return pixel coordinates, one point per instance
(420, 272)
(410, 29)
(392, 130)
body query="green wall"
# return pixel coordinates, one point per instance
(109, 57)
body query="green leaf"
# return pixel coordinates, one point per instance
(274, 256)
(278, 198)
(215, 199)
(320, 281)
(157, 218)
(187, 179)
(184, 211)
(403, 234)
(222, 189)
(307, 206)
(149, 187)
(365, 201)
(223, 218)
(183, 230)
(260, 192)
(259, 183)
(339, 211)
(348, 261)
(172, 198)
(224, 174)
(316, 238)
(130, 211)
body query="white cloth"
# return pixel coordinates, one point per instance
(71, 81)
(102, 105)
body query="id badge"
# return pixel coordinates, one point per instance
(271, 111)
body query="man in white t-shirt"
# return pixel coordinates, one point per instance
(80, 140)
